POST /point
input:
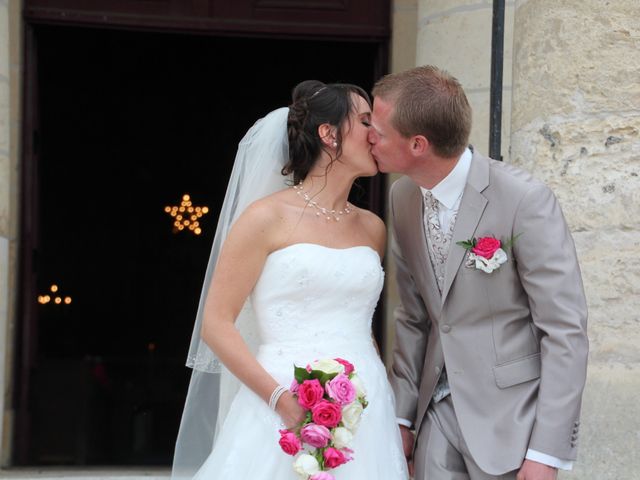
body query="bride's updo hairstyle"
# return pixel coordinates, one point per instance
(315, 103)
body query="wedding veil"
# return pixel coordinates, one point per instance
(262, 153)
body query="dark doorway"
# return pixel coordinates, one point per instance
(129, 122)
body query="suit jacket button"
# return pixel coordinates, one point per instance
(437, 370)
(445, 329)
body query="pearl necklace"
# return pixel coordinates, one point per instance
(328, 214)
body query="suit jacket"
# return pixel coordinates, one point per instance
(513, 341)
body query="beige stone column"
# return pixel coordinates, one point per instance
(404, 17)
(10, 59)
(575, 125)
(456, 35)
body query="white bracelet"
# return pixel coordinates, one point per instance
(275, 396)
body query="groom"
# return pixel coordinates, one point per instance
(491, 344)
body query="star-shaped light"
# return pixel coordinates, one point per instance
(186, 216)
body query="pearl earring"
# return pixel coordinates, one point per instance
(335, 144)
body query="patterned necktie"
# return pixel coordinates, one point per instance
(438, 240)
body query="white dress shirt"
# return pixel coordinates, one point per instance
(449, 194)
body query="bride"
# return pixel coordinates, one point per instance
(294, 276)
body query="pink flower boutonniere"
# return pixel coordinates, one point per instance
(486, 253)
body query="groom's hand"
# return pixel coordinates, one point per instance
(407, 445)
(531, 470)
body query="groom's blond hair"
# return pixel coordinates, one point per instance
(429, 102)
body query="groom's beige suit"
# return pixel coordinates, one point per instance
(513, 341)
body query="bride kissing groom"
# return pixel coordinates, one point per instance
(490, 355)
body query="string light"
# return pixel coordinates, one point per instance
(186, 215)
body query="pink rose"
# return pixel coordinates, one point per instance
(341, 389)
(348, 367)
(315, 435)
(294, 387)
(289, 443)
(326, 414)
(322, 476)
(334, 458)
(348, 453)
(486, 247)
(309, 393)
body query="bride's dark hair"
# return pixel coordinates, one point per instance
(312, 104)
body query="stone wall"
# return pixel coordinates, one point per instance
(403, 57)
(576, 125)
(10, 60)
(456, 35)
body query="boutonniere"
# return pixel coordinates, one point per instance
(487, 253)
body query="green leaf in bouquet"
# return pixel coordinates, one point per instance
(301, 374)
(319, 454)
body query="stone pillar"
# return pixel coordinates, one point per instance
(456, 35)
(10, 59)
(575, 125)
(403, 57)
(404, 18)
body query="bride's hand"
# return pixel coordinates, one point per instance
(290, 411)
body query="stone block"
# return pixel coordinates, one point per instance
(4, 42)
(459, 43)
(479, 101)
(433, 8)
(592, 163)
(609, 442)
(5, 192)
(403, 40)
(576, 58)
(15, 32)
(611, 274)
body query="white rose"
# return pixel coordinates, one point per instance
(500, 256)
(328, 366)
(306, 465)
(342, 437)
(351, 415)
(359, 386)
(491, 264)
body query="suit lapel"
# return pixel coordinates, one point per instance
(472, 205)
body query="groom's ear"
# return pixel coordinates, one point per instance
(419, 145)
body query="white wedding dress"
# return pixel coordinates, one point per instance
(312, 302)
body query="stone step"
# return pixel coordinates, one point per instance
(80, 473)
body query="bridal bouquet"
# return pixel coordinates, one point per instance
(333, 397)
